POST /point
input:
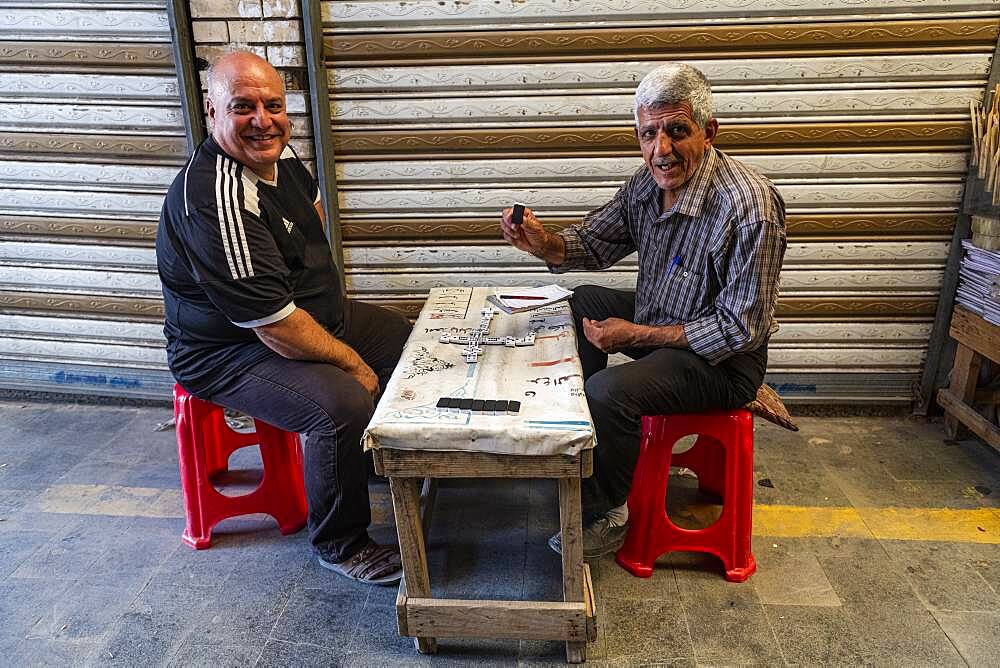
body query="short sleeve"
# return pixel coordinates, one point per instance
(236, 261)
(303, 174)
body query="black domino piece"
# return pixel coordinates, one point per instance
(501, 407)
(490, 407)
(517, 215)
(452, 404)
(443, 403)
(477, 405)
(465, 405)
(513, 407)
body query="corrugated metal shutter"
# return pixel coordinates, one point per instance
(444, 112)
(91, 134)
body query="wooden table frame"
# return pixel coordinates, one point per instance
(425, 618)
(976, 339)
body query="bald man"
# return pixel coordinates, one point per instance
(256, 319)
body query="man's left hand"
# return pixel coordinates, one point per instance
(610, 335)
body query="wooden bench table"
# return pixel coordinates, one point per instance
(551, 437)
(976, 339)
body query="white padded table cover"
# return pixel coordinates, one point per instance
(545, 377)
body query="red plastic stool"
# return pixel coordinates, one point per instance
(204, 443)
(722, 457)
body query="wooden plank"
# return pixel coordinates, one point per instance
(428, 493)
(975, 422)
(590, 600)
(406, 505)
(986, 396)
(455, 464)
(964, 375)
(976, 333)
(401, 599)
(527, 620)
(571, 525)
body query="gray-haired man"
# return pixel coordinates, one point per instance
(710, 238)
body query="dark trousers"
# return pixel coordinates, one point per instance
(332, 409)
(660, 381)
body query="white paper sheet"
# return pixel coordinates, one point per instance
(519, 300)
(546, 378)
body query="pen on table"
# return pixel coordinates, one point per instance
(520, 297)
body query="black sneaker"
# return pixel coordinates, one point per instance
(599, 538)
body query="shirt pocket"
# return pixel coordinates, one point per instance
(684, 295)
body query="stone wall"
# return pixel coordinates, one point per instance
(273, 30)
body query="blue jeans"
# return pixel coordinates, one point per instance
(331, 409)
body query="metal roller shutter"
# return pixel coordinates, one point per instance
(91, 134)
(443, 113)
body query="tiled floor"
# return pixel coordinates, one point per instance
(878, 542)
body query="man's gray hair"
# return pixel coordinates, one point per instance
(674, 83)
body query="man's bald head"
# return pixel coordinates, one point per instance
(246, 105)
(219, 75)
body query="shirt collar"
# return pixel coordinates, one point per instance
(215, 149)
(694, 192)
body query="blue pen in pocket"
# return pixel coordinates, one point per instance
(676, 262)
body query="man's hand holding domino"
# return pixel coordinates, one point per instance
(530, 236)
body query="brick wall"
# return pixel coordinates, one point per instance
(270, 28)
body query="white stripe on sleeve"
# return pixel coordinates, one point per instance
(239, 234)
(267, 320)
(220, 188)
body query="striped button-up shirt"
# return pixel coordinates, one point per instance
(710, 263)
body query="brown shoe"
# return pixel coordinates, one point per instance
(373, 564)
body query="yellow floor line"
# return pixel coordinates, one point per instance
(979, 525)
(114, 500)
(121, 501)
(803, 521)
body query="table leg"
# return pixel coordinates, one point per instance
(406, 504)
(427, 496)
(571, 524)
(964, 376)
